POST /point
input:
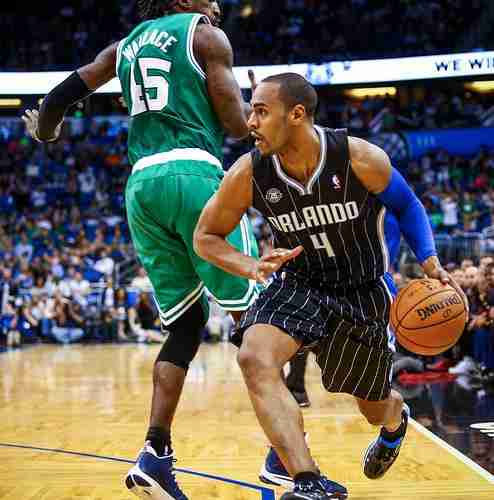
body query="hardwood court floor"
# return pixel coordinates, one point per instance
(94, 399)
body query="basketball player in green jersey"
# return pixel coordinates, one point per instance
(175, 69)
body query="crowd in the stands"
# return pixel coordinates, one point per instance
(61, 34)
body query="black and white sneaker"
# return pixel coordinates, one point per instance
(381, 453)
(322, 489)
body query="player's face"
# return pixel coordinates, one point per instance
(268, 120)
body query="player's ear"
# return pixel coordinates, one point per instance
(298, 114)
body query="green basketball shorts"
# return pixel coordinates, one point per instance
(164, 198)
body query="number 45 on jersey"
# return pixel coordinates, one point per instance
(154, 85)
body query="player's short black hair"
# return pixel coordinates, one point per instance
(295, 89)
(150, 9)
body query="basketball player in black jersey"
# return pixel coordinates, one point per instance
(325, 196)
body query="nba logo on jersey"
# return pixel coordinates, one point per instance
(274, 195)
(336, 182)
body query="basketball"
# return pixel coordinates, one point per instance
(428, 317)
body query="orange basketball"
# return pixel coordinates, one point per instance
(428, 317)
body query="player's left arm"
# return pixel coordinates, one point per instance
(221, 216)
(45, 125)
(373, 168)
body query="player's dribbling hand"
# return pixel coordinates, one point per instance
(272, 261)
(31, 118)
(444, 277)
(433, 269)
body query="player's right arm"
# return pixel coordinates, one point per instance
(215, 54)
(45, 125)
(372, 166)
(221, 215)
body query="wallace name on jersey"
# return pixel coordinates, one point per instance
(315, 216)
(160, 39)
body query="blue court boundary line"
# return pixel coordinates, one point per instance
(266, 493)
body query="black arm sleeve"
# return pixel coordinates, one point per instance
(56, 103)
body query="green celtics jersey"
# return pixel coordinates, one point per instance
(165, 90)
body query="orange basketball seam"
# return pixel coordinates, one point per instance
(435, 324)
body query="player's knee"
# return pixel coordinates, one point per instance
(184, 339)
(247, 359)
(253, 363)
(160, 373)
(177, 351)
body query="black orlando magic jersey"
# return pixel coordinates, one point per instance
(334, 217)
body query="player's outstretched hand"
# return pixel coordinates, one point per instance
(31, 118)
(272, 261)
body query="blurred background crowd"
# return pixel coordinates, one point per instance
(288, 30)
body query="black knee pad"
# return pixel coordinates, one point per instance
(184, 338)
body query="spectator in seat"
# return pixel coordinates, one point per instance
(80, 288)
(8, 325)
(28, 325)
(482, 321)
(105, 264)
(449, 207)
(142, 321)
(466, 365)
(68, 320)
(470, 281)
(120, 314)
(141, 282)
(24, 249)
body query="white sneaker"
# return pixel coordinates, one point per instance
(466, 366)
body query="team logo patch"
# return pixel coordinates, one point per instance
(335, 180)
(274, 195)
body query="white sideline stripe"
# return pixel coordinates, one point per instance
(427, 433)
(458, 454)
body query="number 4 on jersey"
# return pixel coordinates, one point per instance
(153, 84)
(321, 242)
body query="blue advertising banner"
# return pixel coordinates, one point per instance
(461, 142)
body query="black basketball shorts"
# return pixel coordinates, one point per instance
(346, 328)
